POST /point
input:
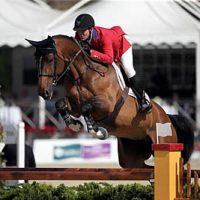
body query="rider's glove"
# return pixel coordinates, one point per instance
(85, 46)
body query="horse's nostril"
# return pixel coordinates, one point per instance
(46, 93)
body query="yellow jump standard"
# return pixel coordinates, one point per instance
(166, 169)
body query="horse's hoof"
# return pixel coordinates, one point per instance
(77, 126)
(102, 133)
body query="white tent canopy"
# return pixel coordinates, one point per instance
(21, 19)
(145, 21)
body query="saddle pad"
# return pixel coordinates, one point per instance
(122, 82)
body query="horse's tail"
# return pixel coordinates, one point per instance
(185, 135)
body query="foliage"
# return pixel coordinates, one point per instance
(87, 191)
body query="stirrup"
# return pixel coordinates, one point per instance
(146, 109)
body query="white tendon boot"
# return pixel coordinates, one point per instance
(98, 132)
(77, 126)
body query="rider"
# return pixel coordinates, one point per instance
(110, 45)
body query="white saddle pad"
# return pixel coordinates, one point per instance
(122, 82)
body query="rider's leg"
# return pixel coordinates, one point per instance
(144, 104)
(127, 64)
(61, 107)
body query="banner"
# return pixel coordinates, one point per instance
(50, 151)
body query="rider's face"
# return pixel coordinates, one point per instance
(84, 34)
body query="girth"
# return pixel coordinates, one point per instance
(110, 119)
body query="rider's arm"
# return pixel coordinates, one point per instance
(107, 54)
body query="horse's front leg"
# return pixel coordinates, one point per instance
(98, 107)
(86, 109)
(70, 122)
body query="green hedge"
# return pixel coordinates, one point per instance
(87, 191)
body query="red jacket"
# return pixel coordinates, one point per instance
(108, 45)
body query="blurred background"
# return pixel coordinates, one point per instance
(166, 52)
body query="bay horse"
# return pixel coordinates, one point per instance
(90, 82)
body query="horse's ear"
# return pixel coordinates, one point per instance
(33, 43)
(50, 39)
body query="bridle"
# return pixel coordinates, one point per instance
(67, 62)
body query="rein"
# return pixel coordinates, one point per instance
(68, 63)
(90, 65)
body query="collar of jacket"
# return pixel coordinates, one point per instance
(93, 35)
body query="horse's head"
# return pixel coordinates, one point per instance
(57, 56)
(45, 60)
(54, 57)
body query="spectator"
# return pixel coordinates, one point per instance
(2, 102)
(10, 117)
(10, 155)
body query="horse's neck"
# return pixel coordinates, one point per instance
(65, 45)
(90, 71)
(68, 47)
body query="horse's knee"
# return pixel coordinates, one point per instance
(62, 109)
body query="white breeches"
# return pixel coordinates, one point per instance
(127, 62)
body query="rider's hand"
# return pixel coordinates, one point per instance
(85, 46)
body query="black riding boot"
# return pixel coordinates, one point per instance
(144, 104)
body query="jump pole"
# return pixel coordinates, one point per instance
(166, 170)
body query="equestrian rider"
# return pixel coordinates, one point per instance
(110, 45)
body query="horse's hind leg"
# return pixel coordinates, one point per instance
(132, 154)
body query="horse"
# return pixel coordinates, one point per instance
(92, 89)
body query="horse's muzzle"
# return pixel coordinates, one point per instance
(47, 93)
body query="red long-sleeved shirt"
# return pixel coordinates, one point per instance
(108, 45)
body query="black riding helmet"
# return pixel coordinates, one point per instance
(83, 22)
